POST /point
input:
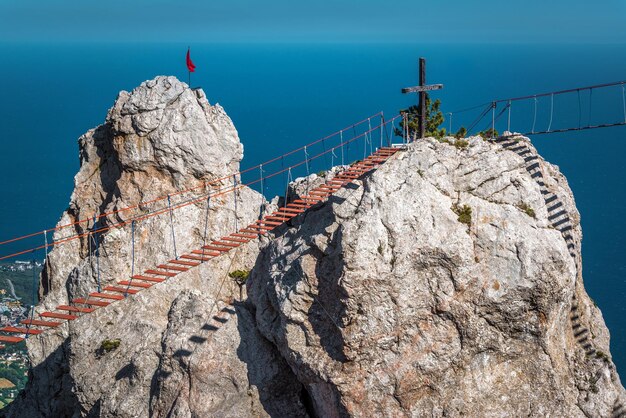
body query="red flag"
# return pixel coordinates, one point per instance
(190, 65)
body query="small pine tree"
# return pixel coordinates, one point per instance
(489, 133)
(434, 119)
(460, 133)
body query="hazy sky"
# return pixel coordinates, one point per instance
(314, 20)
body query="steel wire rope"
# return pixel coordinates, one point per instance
(193, 200)
(161, 198)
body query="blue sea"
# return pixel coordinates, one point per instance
(282, 96)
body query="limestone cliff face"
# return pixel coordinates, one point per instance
(385, 304)
(387, 300)
(162, 138)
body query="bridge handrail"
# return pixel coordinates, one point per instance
(201, 198)
(203, 185)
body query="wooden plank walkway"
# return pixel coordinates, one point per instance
(166, 271)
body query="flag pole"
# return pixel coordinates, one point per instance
(188, 72)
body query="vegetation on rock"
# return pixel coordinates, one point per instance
(528, 210)
(109, 345)
(239, 276)
(464, 213)
(434, 119)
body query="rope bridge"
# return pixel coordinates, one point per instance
(342, 146)
(529, 106)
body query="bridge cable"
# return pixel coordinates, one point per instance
(479, 118)
(450, 131)
(45, 241)
(97, 249)
(325, 153)
(262, 188)
(551, 111)
(508, 123)
(480, 106)
(45, 246)
(34, 297)
(341, 139)
(386, 131)
(287, 183)
(382, 118)
(169, 205)
(498, 116)
(132, 252)
(161, 198)
(365, 146)
(235, 200)
(282, 168)
(493, 119)
(308, 173)
(370, 139)
(206, 224)
(161, 211)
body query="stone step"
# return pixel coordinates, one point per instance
(561, 222)
(556, 215)
(532, 167)
(555, 206)
(550, 199)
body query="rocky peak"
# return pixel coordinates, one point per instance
(165, 125)
(447, 282)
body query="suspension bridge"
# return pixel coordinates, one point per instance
(368, 143)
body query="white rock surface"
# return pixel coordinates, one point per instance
(384, 304)
(379, 302)
(160, 139)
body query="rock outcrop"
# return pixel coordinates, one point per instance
(436, 285)
(439, 287)
(185, 345)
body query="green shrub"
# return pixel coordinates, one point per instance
(461, 144)
(460, 133)
(528, 210)
(434, 119)
(321, 173)
(603, 356)
(488, 134)
(239, 276)
(109, 345)
(464, 213)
